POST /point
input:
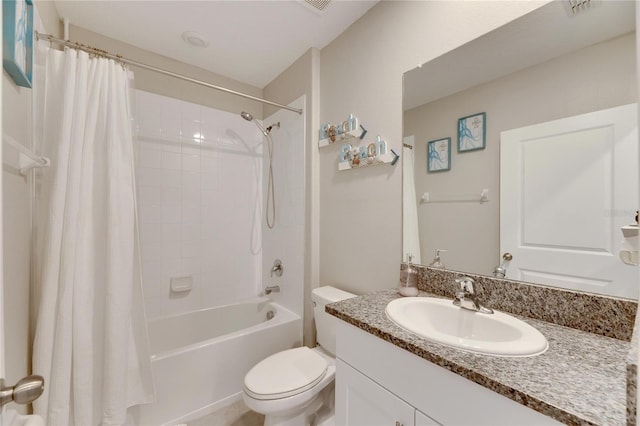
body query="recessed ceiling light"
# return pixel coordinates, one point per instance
(195, 39)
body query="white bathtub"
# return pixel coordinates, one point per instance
(199, 359)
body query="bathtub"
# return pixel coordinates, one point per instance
(199, 359)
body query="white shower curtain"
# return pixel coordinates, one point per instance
(410, 231)
(90, 344)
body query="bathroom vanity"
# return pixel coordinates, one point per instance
(379, 383)
(387, 375)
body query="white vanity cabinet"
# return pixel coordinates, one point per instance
(378, 383)
(424, 420)
(363, 402)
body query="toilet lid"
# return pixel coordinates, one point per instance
(285, 374)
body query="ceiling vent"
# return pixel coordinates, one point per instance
(577, 6)
(318, 6)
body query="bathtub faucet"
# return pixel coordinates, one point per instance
(271, 289)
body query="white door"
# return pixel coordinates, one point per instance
(566, 188)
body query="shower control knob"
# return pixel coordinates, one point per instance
(278, 268)
(25, 391)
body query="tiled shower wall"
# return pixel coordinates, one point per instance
(199, 173)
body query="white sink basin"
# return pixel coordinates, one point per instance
(442, 322)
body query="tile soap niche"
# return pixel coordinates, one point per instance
(347, 130)
(364, 155)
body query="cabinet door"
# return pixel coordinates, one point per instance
(362, 402)
(424, 420)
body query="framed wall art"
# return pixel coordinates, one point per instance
(472, 132)
(17, 40)
(439, 155)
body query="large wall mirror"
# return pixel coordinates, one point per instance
(555, 182)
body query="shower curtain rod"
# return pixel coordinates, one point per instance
(123, 60)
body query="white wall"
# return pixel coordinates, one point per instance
(303, 78)
(202, 182)
(17, 209)
(16, 199)
(286, 240)
(200, 204)
(637, 55)
(361, 73)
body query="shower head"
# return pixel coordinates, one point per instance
(249, 117)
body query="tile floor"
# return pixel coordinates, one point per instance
(236, 414)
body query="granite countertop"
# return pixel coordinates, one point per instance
(580, 379)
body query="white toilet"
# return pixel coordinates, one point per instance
(291, 386)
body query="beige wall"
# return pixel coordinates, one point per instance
(172, 87)
(595, 78)
(16, 198)
(360, 210)
(302, 78)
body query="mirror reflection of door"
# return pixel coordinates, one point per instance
(567, 187)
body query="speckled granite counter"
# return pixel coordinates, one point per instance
(632, 375)
(580, 379)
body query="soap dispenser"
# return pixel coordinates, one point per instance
(408, 279)
(436, 262)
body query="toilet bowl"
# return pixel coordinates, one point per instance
(292, 387)
(289, 386)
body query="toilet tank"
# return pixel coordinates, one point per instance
(325, 323)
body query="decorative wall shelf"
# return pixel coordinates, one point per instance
(387, 158)
(366, 155)
(331, 134)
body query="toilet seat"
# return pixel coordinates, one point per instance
(285, 374)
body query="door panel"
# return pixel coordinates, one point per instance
(362, 402)
(567, 186)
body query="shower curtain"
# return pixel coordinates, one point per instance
(410, 231)
(90, 342)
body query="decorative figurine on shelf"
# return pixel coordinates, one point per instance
(345, 152)
(332, 133)
(355, 157)
(381, 146)
(371, 149)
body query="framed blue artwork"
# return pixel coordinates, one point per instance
(439, 155)
(17, 40)
(472, 132)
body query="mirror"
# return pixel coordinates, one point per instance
(546, 68)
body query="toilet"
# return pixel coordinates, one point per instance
(294, 386)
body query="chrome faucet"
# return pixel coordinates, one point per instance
(466, 297)
(272, 289)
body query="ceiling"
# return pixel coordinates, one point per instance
(249, 41)
(546, 33)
